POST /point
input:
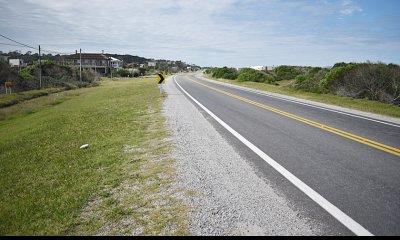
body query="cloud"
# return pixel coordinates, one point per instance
(205, 32)
(348, 8)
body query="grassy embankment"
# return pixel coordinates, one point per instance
(285, 88)
(7, 100)
(121, 184)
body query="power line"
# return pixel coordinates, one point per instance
(12, 40)
(25, 45)
(8, 44)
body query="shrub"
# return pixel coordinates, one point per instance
(248, 74)
(310, 81)
(225, 73)
(334, 76)
(377, 82)
(287, 72)
(121, 73)
(136, 74)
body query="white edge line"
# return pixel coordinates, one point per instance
(352, 225)
(305, 104)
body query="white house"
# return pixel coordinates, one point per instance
(259, 68)
(116, 64)
(152, 64)
(16, 63)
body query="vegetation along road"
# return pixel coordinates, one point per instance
(120, 185)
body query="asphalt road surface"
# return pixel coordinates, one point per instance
(348, 167)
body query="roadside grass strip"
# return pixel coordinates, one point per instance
(122, 184)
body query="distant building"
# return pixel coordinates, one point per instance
(116, 64)
(259, 68)
(17, 63)
(152, 64)
(95, 61)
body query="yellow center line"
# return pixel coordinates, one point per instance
(371, 143)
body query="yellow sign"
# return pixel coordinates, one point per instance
(8, 84)
(161, 78)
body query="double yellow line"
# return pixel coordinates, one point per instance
(377, 145)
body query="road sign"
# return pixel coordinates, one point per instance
(8, 86)
(161, 78)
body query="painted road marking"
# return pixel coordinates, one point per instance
(300, 103)
(365, 141)
(343, 218)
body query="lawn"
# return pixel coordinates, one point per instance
(120, 185)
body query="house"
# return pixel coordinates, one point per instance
(94, 61)
(259, 68)
(116, 64)
(152, 64)
(17, 63)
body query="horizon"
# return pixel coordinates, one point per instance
(174, 60)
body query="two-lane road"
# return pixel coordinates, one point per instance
(349, 165)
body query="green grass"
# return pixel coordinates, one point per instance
(7, 100)
(285, 88)
(49, 186)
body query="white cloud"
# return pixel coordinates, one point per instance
(205, 32)
(348, 8)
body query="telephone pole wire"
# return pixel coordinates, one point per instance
(40, 69)
(80, 62)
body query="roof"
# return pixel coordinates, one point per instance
(92, 56)
(115, 59)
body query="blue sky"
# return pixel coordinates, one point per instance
(212, 32)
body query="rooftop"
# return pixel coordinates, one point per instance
(96, 56)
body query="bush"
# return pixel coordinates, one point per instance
(225, 73)
(121, 73)
(310, 81)
(248, 74)
(335, 75)
(136, 74)
(53, 75)
(7, 73)
(287, 72)
(379, 82)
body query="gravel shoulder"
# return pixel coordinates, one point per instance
(228, 198)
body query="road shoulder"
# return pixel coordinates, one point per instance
(228, 198)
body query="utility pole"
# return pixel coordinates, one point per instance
(80, 64)
(40, 69)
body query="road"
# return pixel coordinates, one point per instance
(341, 167)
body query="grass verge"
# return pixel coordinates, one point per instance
(284, 88)
(7, 100)
(121, 185)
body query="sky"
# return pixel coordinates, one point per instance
(234, 33)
